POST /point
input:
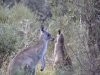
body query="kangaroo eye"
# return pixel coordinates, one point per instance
(48, 34)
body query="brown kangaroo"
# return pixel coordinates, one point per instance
(61, 57)
(27, 60)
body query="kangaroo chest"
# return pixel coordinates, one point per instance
(45, 48)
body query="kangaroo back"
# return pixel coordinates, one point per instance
(61, 57)
(26, 61)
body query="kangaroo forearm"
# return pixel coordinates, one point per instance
(43, 63)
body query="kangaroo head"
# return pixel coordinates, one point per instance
(45, 34)
(60, 38)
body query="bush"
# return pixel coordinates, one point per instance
(8, 39)
(3, 14)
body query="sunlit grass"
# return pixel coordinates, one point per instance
(47, 71)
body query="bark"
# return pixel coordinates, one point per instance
(92, 18)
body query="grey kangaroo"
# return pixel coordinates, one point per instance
(61, 57)
(28, 59)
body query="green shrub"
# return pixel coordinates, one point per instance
(3, 15)
(8, 37)
(19, 12)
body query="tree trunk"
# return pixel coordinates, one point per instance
(92, 18)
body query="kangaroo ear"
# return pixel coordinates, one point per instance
(59, 31)
(42, 28)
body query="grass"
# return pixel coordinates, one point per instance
(47, 71)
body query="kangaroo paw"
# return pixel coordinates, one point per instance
(41, 69)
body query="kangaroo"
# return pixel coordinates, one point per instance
(61, 57)
(28, 59)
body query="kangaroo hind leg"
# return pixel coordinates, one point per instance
(27, 70)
